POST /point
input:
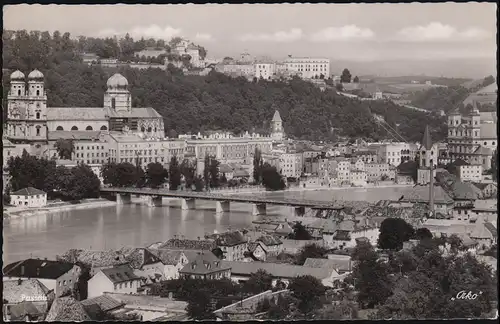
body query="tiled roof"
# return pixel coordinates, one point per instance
(491, 228)
(141, 257)
(342, 262)
(204, 264)
(76, 113)
(139, 300)
(466, 240)
(252, 246)
(184, 244)
(134, 113)
(34, 268)
(224, 168)
(270, 240)
(67, 309)
(277, 270)
(120, 273)
(19, 311)
(228, 238)
(336, 264)
(464, 190)
(105, 302)
(94, 259)
(426, 141)
(30, 191)
(325, 225)
(168, 257)
(77, 135)
(420, 194)
(12, 290)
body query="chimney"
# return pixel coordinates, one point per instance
(19, 281)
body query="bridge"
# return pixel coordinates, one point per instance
(188, 198)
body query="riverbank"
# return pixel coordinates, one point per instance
(16, 212)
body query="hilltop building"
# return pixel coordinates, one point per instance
(472, 137)
(308, 68)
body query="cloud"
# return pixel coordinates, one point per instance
(292, 35)
(436, 31)
(204, 37)
(348, 32)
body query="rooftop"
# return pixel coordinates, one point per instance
(105, 302)
(420, 194)
(94, 259)
(277, 270)
(13, 290)
(185, 244)
(76, 135)
(167, 256)
(204, 263)
(146, 300)
(35, 268)
(76, 113)
(141, 257)
(269, 240)
(67, 309)
(120, 273)
(339, 264)
(30, 191)
(228, 238)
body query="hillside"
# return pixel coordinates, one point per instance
(195, 103)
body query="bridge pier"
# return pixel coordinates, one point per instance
(299, 211)
(221, 206)
(258, 209)
(153, 201)
(123, 199)
(187, 203)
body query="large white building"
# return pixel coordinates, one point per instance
(308, 68)
(290, 165)
(265, 70)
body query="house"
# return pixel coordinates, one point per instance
(29, 197)
(95, 260)
(116, 279)
(256, 251)
(205, 266)
(172, 261)
(67, 309)
(347, 232)
(340, 267)
(233, 244)
(145, 263)
(272, 244)
(25, 299)
(241, 271)
(485, 234)
(342, 263)
(488, 190)
(443, 203)
(226, 171)
(58, 276)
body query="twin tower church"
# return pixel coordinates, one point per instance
(30, 121)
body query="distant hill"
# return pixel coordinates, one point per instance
(485, 95)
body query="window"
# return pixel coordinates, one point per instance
(59, 128)
(38, 131)
(103, 128)
(18, 92)
(74, 128)
(38, 93)
(113, 103)
(89, 128)
(37, 115)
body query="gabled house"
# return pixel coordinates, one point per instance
(342, 263)
(172, 260)
(256, 251)
(271, 244)
(29, 197)
(205, 266)
(58, 276)
(488, 190)
(67, 309)
(96, 260)
(117, 279)
(26, 299)
(233, 244)
(485, 234)
(25, 311)
(146, 265)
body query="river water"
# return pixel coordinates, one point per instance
(137, 225)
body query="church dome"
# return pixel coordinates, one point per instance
(17, 75)
(117, 81)
(35, 74)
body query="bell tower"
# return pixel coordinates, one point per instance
(428, 155)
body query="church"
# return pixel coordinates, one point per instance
(29, 120)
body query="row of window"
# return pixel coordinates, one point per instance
(123, 285)
(97, 147)
(81, 155)
(75, 128)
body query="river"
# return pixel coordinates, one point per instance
(137, 225)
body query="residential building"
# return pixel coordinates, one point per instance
(29, 197)
(271, 244)
(376, 171)
(357, 178)
(239, 70)
(58, 276)
(443, 203)
(472, 137)
(470, 172)
(265, 70)
(120, 279)
(485, 234)
(241, 271)
(290, 165)
(368, 156)
(67, 309)
(256, 252)
(428, 156)
(25, 297)
(95, 260)
(205, 266)
(90, 147)
(173, 260)
(308, 68)
(90, 58)
(488, 190)
(233, 244)
(146, 264)
(340, 263)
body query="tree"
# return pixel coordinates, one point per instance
(198, 307)
(156, 175)
(206, 171)
(198, 183)
(356, 79)
(346, 310)
(174, 174)
(271, 179)
(346, 76)
(393, 232)
(65, 148)
(30, 171)
(214, 172)
(258, 282)
(299, 232)
(257, 166)
(488, 80)
(339, 87)
(307, 289)
(172, 134)
(188, 171)
(311, 251)
(423, 233)
(370, 276)
(119, 174)
(280, 310)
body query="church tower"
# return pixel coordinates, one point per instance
(277, 132)
(428, 155)
(27, 111)
(117, 96)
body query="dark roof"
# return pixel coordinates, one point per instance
(188, 244)
(105, 302)
(426, 141)
(252, 246)
(167, 256)
(205, 263)
(34, 268)
(482, 185)
(19, 311)
(269, 240)
(228, 238)
(67, 309)
(141, 257)
(30, 191)
(120, 273)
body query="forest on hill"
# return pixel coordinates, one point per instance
(213, 102)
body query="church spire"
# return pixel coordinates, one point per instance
(427, 141)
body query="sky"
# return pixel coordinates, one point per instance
(353, 32)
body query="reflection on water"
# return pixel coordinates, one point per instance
(137, 225)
